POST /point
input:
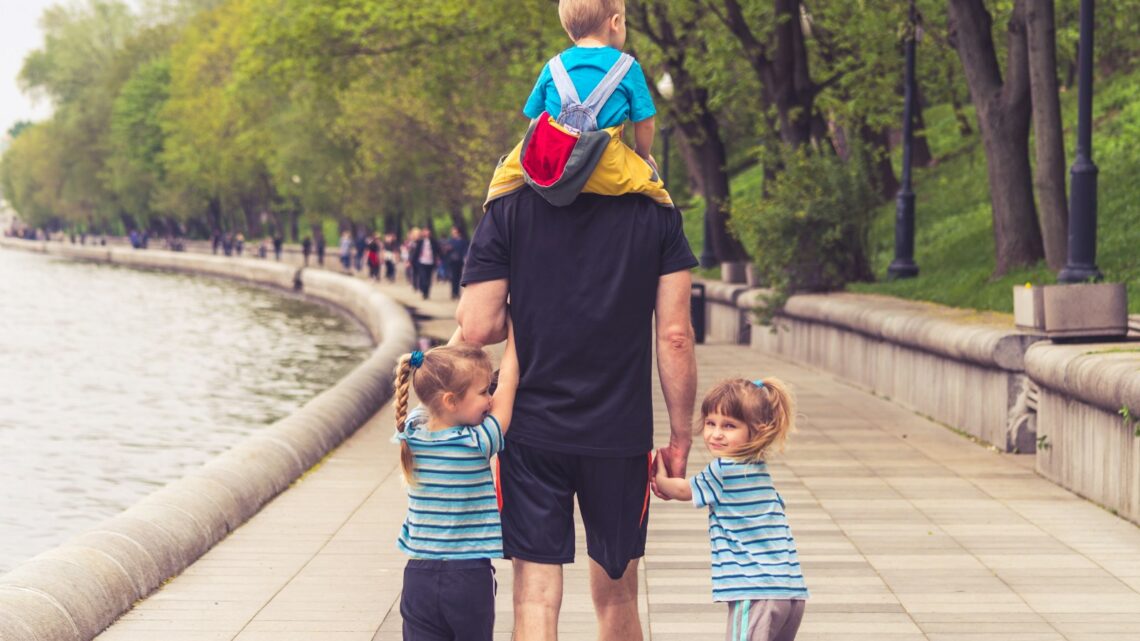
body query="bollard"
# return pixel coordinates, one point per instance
(697, 311)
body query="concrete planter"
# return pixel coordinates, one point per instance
(1085, 310)
(1029, 308)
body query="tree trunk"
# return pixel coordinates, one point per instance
(877, 152)
(1049, 179)
(691, 112)
(782, 67)
(1003, 115)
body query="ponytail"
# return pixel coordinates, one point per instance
(403, 385)
(781, 414)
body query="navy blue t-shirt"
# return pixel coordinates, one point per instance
(583, 288)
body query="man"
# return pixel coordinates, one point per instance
(425, 256)
(456, 253)
(586, 282)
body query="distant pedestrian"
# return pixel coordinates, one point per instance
(425, 256)
(456, 253)
(346, 251)
(321, 249)
(374, 257)
(391, 254)
(239, 243)
(361, 248)
(263, 248)
(228, 244)
(215, 241)
(278, 241)
(306, 249)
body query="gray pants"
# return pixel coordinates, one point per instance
(765, 620)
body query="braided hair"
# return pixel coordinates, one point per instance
(450, 368)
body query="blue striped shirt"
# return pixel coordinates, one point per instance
(753, 552)
(453, 511)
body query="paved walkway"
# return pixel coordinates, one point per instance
(906, 530)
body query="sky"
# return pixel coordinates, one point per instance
(19, 35)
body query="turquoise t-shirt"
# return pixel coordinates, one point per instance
(587, 66)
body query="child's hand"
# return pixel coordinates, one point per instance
(670, 487)
(653, 163)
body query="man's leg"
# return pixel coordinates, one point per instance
(615, 603)
(537, 600)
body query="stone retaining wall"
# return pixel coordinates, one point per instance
(959, 367)
(73, 592)
(1087, 445)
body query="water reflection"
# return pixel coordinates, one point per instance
(115, 381)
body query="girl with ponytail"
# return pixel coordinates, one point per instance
(755, 568)
(452, 525)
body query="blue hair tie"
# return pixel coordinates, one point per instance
(758, 383)
(417, 358)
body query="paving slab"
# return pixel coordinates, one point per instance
(906, 530)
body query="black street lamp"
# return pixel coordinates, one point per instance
(903, 266)
(1081, 266)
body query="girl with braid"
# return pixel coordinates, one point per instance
(452, 529)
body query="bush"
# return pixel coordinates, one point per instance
(808, 231)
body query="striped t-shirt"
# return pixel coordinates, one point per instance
(753, 552)
(453, 512)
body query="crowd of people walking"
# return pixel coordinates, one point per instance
(424, 258)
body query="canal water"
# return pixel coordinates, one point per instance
(115, 381)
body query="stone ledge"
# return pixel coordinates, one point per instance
(1104, 375)
(983, 338)
(73, 592)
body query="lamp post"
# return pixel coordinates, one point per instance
(903, 266)
(1081, 265)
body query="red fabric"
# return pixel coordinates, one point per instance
(547, 152)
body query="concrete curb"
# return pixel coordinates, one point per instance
(1104, 375)
(72, 593)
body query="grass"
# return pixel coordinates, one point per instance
(954, 244)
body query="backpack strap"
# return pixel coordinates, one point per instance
(566, 91)
(609, 84)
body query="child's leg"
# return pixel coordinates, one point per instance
(467, 599)
(764, 620)
(420, 601)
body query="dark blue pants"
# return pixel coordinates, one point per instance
(448, 600)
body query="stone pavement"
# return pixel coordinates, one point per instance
(906, 531)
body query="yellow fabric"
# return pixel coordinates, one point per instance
(619, 171)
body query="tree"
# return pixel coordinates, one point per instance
(1049, 176)
(1003, 107)
(673, 31)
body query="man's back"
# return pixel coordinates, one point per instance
(583, 285)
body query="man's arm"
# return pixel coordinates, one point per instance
(677, 366)
(482, 312)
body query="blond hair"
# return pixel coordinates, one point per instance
(451, 368)
(768, 410)
(581, 18)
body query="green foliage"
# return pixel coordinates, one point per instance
(808, 233)
(954, 238)
(18, 128)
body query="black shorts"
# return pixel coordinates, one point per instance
(448, 600)
(537, 489)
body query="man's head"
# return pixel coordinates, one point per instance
(602, 20)
(455, 233)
